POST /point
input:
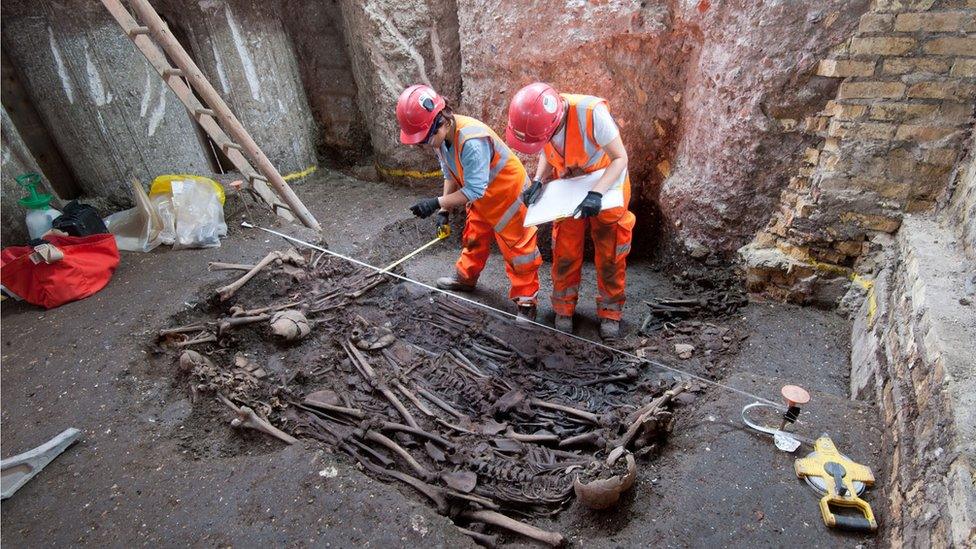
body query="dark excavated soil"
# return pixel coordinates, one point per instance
(153, 468)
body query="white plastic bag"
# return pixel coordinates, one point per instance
(136, 229)
(197, 215)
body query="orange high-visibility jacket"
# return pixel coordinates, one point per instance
(581, 149)
(506, 175)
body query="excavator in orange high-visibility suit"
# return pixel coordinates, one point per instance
(532, 123)
(497, 213)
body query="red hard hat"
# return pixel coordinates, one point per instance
(416, 110)
(533, 115)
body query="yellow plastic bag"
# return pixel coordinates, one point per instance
(164, 184)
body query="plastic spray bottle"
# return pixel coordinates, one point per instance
(40, 214)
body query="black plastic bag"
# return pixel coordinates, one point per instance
(80, 220)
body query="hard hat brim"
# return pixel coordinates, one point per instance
(522, 146)
(413, 138)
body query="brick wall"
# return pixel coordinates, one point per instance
(890, 140)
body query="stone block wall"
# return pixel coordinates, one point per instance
(913, 354)
(889, 142)
(961, 212)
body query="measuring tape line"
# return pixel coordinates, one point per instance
(515, 316)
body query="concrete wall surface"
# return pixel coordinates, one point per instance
(243, 49)
(392, 45)
(317, 34)
(15, 159)
(107, 110)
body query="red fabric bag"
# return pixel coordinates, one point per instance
(86, 268)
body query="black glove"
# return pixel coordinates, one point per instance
(443, 218)
(531, 195)
(590, 206)
(425, 208)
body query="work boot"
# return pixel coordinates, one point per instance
(564, 323)
(452, 283)
(525, 311)
(609, 329)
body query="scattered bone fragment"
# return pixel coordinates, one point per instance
(247, 418)
(198, 327)
(593, 438)
(220, 266)
(249, 366)
(225, 325)
(369, 337)
(684, 350)
(228, 291)
(554, 539)
(290, 325)
(202, 338)
(484, 540)
(190, 359)
(647, 412)
(462, 481)
(240, 311)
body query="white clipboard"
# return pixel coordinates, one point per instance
(560, 197)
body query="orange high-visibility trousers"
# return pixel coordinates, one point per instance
(518, 247)
(611, 232)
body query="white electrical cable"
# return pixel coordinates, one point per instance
(515, 316)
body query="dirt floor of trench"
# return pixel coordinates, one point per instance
(153, 467)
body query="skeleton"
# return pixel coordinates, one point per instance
(432, 396)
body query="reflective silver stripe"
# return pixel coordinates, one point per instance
(509, 214)
(593, 153)
(572, 291)
(611, 306)
(503, 156)
(593, 159)
(525, 258)
(623, 248)
(465, 132)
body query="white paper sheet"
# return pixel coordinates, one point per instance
(560, 197)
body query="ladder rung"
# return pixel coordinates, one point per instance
(172, 72)
(259, 177)
(208, 112)
(136, 31)
(230, 145)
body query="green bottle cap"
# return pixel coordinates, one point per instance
(36, 200)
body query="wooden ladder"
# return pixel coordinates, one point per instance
(155, 38)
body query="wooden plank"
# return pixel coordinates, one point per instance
(160, 31)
